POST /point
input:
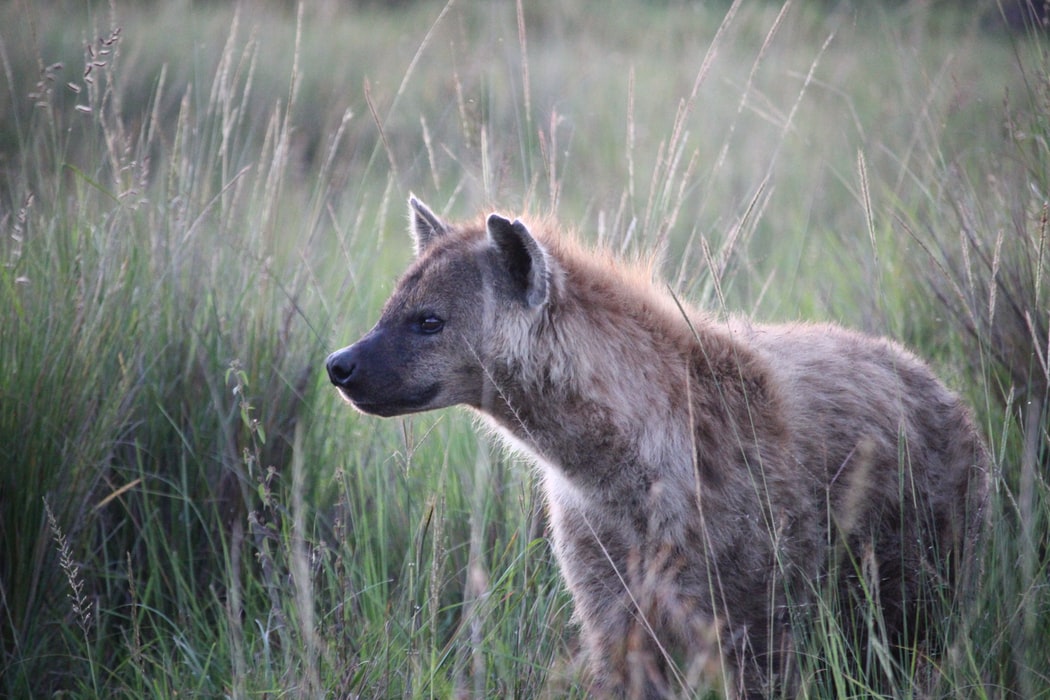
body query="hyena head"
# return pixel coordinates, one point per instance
(450, 316)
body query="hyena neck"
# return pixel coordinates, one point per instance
(568, 432)
(593, 393)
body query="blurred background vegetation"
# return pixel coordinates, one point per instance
(198, 200)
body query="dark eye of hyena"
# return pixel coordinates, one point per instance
(430, 324)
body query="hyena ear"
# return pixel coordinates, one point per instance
(522, 257)
(426, 226)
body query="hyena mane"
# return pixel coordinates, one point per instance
(707, 479)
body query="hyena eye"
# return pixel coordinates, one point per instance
(430, 324)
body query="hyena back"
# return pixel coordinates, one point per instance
(705, 479)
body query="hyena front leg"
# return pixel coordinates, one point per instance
(636, 626)
(626, 661)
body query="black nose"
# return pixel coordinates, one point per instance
(341, 366)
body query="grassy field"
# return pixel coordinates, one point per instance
(197, 203)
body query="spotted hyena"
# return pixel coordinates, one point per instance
(706, 479)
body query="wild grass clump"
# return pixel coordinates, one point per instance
(986, 273)
(139, 268)
(197, 203)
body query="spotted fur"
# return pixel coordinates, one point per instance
(706, 479)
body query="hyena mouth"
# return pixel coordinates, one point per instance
(388, 406)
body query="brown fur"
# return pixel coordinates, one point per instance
(705, 479)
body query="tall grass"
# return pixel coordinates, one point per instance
(983, 228)
(192, 219)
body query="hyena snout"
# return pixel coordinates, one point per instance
(342, 366)
(374, 375)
